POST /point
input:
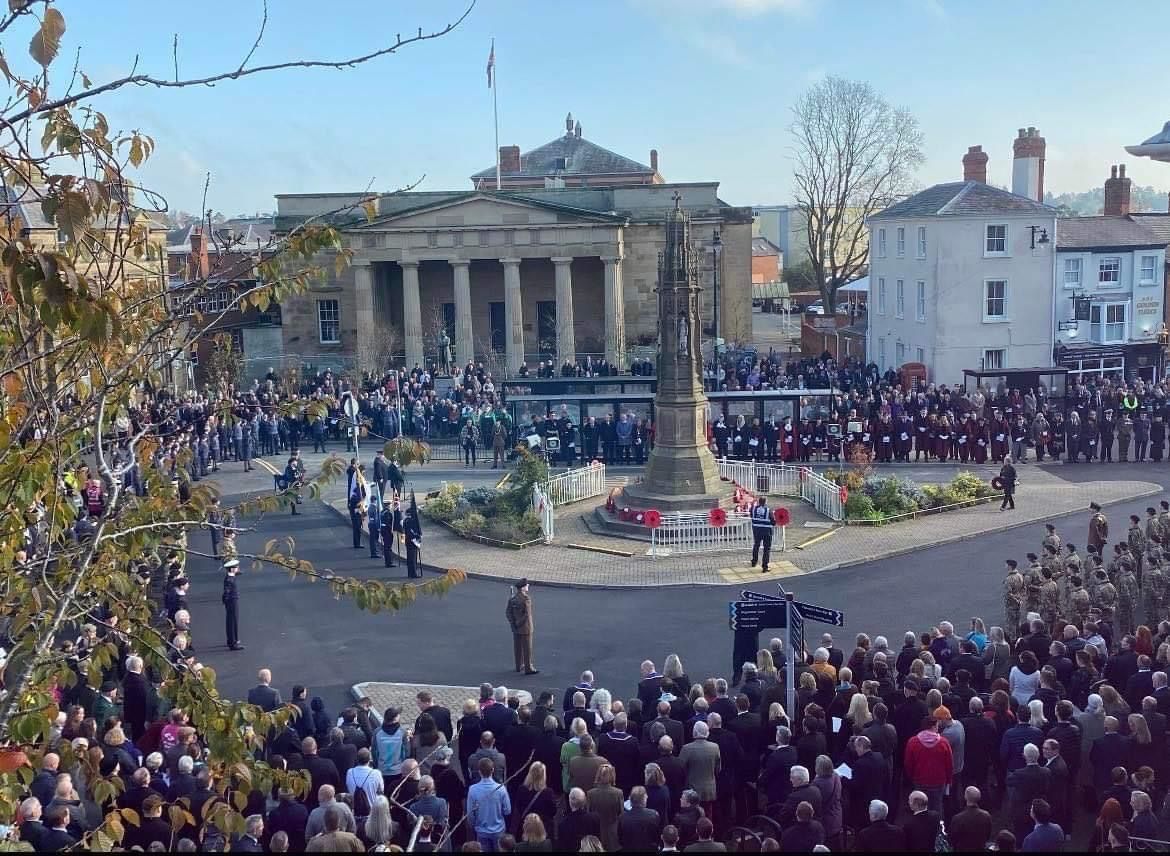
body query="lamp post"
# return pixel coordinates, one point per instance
(716, 251)
(1163, 339)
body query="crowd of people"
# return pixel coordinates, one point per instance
(1003, 736)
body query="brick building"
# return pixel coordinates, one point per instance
(560, 264)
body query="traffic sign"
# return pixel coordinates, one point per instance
(350, 405)
(796, 632)
(823, 614)
(756, 615)
(757, 596)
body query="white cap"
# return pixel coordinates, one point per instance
(232, 563)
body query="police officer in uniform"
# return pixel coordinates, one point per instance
(391, 524)
(761, 531)
(413, 532)
(231, 604)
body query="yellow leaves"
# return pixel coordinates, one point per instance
(131, 817)
(141, 147)
(46, 42)
(12, 385)
(370, 207)
(177, 817)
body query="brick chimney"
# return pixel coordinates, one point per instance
(509, 159)
(975, 165)
(654, 159)
(1028, 165)
(1117, 188)
(199, 263)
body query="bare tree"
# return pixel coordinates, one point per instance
(376, 354)
(855, 154)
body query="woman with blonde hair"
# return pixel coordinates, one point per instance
(600, 704)
(591, 844)
(605, 800)
(673, 669)
(1115, 706)
(858, 716)
(1140, 741)
(535, 797)
(533, 838)
(766, 668)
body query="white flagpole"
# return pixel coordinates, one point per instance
(496, 114)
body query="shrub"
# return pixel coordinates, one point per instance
(860, 507)
(968, 485)
(481, 496)
(444, 506)
(472, 523)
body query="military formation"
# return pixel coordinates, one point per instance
(1123, 582)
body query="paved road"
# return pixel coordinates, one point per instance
(304, 635)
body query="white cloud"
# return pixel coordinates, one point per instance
(719, 46)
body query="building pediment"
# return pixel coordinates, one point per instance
(478, 210)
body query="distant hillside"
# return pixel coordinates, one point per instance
(1089, 202)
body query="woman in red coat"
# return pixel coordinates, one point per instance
(942, 439)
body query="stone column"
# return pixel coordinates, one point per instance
(363, 299)
(566, 338)
(615, 312)
(513, 316)
(464, 340)
(411, 314)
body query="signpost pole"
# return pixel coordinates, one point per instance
(790, 683)
(350, 406)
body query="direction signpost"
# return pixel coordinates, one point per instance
(756, 611)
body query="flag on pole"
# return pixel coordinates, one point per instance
(491, 64)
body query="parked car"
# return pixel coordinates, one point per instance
(817, 307)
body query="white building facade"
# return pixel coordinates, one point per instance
(1116, 267)
(961, 277)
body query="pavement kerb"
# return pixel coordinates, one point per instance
(888, 554)
(970, 536)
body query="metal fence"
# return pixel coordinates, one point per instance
(576, 485)
(786, 480)
(542, 507)
(681, 533)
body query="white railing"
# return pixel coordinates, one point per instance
(542, 507)
(575, 485)
(786, 480)
(682, 533)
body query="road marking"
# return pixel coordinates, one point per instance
(609, 551)
(782, 568)
(817, 538)
(267, 466)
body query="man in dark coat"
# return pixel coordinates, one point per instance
(291, 818)
(870, 781)
(440, 714)
(135, 698)
(264, 695)
(970, 829)
(231, 604)
(621, 750)
(638, 827)
(322, 770)
(774, 778)
(922, 826)
(649, 685)
(577, 823)
(674, 728)
(880, 836)
(1108, 751)
(980, 744)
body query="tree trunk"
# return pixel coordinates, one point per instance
(829, 299)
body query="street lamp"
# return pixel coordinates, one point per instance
(716, 251)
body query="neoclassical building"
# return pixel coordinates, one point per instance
(559, 264)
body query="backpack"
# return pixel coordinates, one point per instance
(361, 799)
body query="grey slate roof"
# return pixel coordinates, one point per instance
(23, 205)
(1159, 224)
(963, 198)
(1099, 233)
(761, 246)
(582, 158)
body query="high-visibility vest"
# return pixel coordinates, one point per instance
(761, 518)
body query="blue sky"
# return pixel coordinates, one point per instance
(709, 83)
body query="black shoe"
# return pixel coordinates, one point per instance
(764, 571)
(533, 672)
(236, 647)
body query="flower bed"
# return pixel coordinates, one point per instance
(488, 515)
(875, 500)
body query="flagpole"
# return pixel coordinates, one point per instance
(496, 113)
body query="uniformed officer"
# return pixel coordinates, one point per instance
(1050, 537)
(1013, 598)
(214, 524)
(761, 531)
(519, 614)
(1127, 599)
(374, 523)
(413, 533)
(231, 604)
(391, 525)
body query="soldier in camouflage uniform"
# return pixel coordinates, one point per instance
(1127, 600)
(1079, 599)
(1013, 600)
(1105, 594)
(1136, 539)
(1153, 526)
(1164, 523)
(1154, 588)
(1050, 537)
(1074, 558)
(1033, 579)
(1048, 597)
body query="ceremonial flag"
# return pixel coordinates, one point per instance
(491, 64)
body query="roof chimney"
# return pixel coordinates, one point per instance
(1117, 190)
(577, 129)
(569, 125)
(509, 159)
(975, 165)
(199, 264)
(1028, 165)
(654, 159)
